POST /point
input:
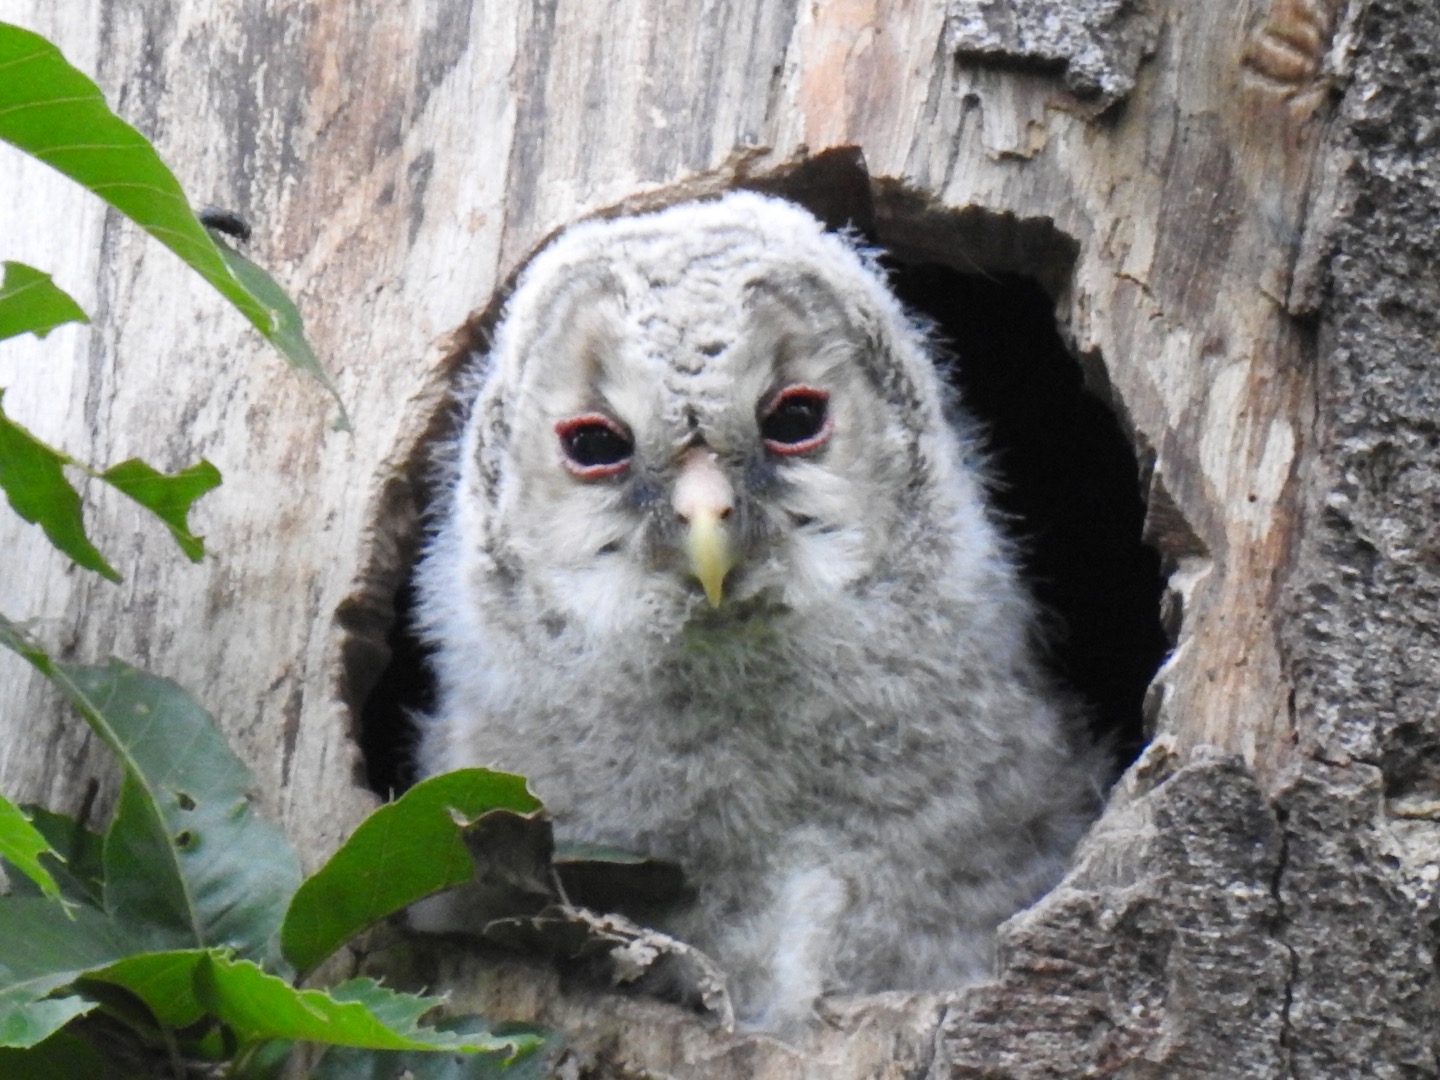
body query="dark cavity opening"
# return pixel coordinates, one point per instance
(405, 689)
(1067, 485)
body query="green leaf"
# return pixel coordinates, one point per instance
(357, 1013)
(167, 497)
(79, 876)
(28, 1016)
(185, 851)
(34, 481)
(181, 987)
(31, 303)
(344, 1063)
(186, 848)
(402, 852)
(63, 1056)
(43, 949)
(163, 980)
(21, 845)
(144, 881)
(289, 334)
(33, 477)
(56, 114)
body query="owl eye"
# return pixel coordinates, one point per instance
(796, 420)
(594, 446)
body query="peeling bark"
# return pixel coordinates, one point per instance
(1097, 44)
(1158, 955)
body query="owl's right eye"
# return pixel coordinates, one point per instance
(594, 446)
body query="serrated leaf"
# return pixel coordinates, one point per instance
(345, 1063)
(185, 851)
(33, 477)
(43, 949)
(21, 845)
(183, 987)
(361, 1012)
(55, 113)
(401, 853)
(31, 303)
(180, 987)
(396, 1010)
(79, 874)
(168, 497)
(34, 481)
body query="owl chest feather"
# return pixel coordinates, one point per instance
(713, 743)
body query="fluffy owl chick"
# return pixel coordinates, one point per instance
(714, 569)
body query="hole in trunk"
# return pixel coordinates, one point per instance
(1068, 484)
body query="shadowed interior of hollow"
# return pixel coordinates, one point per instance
(1066, 485)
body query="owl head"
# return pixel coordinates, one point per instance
(694, 415)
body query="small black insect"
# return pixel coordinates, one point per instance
(225, 221)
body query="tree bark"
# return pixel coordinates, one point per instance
(1234, 206)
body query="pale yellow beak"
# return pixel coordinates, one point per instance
(703, 501)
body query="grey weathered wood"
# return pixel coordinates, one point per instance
(1235, 207)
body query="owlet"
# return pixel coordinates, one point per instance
(714, 568)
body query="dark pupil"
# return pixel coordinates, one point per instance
(794, 419)
(596, 444)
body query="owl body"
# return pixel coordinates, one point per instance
(714, 569)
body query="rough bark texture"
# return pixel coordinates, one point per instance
(1235, 207)
(1361, 623)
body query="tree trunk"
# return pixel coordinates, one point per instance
(1233, 207)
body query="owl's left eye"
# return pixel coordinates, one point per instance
(594, 446)
(796, 420)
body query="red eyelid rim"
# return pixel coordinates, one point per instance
(571, 424)
(804, 445)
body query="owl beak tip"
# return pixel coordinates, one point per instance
(710, 557)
